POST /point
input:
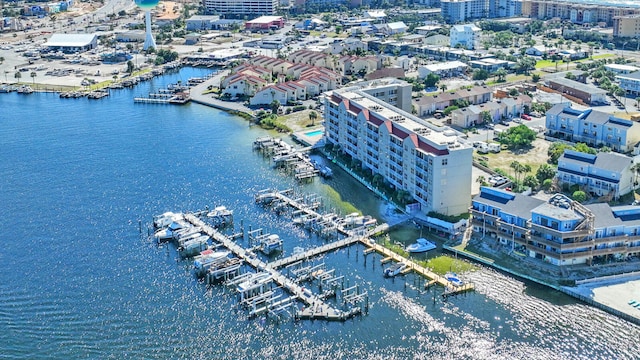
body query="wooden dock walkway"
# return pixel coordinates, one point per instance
(314, 252)
(419, 269)
(365, 239)
(321, 310)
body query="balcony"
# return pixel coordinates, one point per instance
(560, 234)
(562, 246)
(610, 239)
(609, 251)
(512, 227)
(557, 255)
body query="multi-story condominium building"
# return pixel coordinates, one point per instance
(410, 154)
(604, 174)
(559, 231)
(504, 8)
(626, 26)
(251, 8)
(594, 128)
(579, 11)
(466, 35)
(456, 11)
(630, 83)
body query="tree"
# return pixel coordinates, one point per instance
(313, 116)
(530, 181)
(535, 78)
(130, 67)
(501, 74)
(556, 150)
(546, 185)
(480, 74)
(443, 87)
(579, 196)
(517, 137)
(486, 117)
(275, 105)
(544, 172)
(17, 75)
(431, 80)
(584, 148)
(481, 180)
(33, 77)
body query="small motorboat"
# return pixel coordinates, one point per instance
(209, 258)
(394, 269)
(421, 245)
(270, 244)
(454, 279)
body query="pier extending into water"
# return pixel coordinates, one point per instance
(355, 236)
(315, 307)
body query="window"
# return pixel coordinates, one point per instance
(445, 162)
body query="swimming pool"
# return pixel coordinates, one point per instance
(314, 133)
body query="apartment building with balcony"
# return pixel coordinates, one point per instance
(602, 174)
(592, 127)
(559, 231)
(579, 11)
(630, 83)
(238, 8)
(410, 154)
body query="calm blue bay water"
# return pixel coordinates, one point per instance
(79, 281)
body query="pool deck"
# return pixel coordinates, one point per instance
(307, 140)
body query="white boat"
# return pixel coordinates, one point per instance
(195, 246)
(270, 244)
(254, 281)
(209, 258)
(169, 232)
(421, 245)
(394, 269)
(220, 211)
(167, 218)
(453, 279)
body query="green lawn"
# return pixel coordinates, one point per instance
(544, 63)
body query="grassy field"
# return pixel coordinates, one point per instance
(439, 265)
(534, 157)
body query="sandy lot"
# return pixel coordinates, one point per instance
(534, 157)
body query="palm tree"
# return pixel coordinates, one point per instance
(501, 74)
(33, 77)
(313, 116)
(514, 165)
(443, 87)
(17, 75)
(481, 180)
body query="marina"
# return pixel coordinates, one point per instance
(110, 290)
(291, 160)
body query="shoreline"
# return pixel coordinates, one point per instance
(567, 290)
(239, 109)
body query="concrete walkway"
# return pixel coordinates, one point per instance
(197, 95)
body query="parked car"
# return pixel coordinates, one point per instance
(526, 117)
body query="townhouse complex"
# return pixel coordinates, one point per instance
(409, 153)
(592, 127)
